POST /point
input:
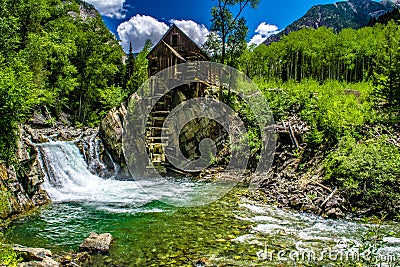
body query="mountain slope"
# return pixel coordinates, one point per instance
(385, 18)
(346, 14)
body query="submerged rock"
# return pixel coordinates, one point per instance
(75, 259)
(97, 243)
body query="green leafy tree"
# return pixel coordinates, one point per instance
(9, 28)
(18, 97)
(213, 46)
(237, 42)
(73, 63)
(229, 24)
(386, 74)
(99, 63)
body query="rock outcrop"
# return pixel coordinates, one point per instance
(111, 131)
(97, 243)
(21, 187)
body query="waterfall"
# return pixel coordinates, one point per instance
(68, 178)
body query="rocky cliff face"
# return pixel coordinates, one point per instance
(21, 185)
(346, 14)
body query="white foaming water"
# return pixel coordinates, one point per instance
(69, 180)
(305, 231)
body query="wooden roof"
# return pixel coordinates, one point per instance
(189, 48)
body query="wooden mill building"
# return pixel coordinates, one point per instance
(174, 48)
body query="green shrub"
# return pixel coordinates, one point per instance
(368, 173)
(8, 257)
(330, 110)
(4, 203)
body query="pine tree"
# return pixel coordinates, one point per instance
(130, 63)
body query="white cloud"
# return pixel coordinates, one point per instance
(197, 32)
(141, 27)
(257, 39)
(266, 29)
(138, 29)
(109, 8)
(263, 31)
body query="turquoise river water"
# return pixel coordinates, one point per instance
(231, 231)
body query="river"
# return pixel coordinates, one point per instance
(231, 231)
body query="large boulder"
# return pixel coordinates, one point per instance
(111, 131)
(97, 243)
(40, 121)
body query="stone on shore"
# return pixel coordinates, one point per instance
(35, 257)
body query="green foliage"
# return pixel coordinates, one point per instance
(387, 78)
(231, 29)
(51, 56)
(140, 69)
(331, 110)
(8, 257)
(18, 96)
(348, 56)
(338, 86)
(130, 63)
(4, 203)
(213, 46)
(253, 137)
(367, 172)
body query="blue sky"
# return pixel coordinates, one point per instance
(137, 20)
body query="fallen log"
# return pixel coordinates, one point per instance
(329, 198)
